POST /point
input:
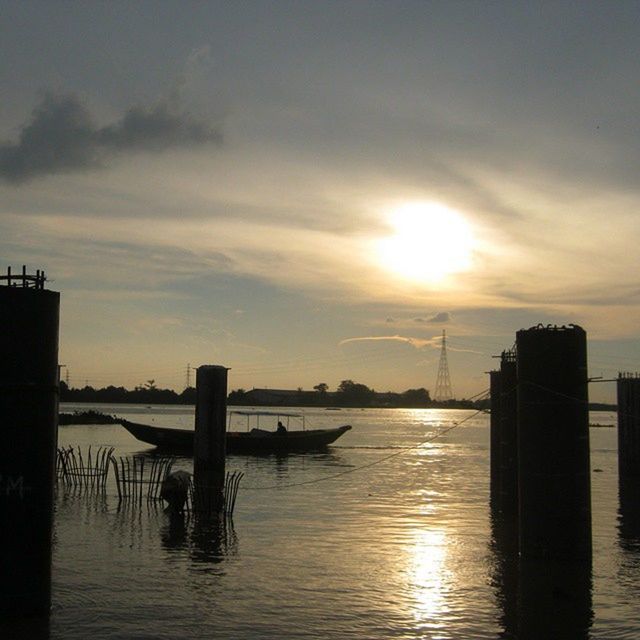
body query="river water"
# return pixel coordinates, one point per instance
(368, 540)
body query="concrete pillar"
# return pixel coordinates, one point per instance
(209, 450)
(504, 569)
(29, 317)
(554, 600)
(509, 435)
(628, 388)
(494, 438)
(553, 444)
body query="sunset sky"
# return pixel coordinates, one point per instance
(312, 191)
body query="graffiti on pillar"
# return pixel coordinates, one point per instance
(12, 486)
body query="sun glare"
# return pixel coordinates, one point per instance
(429, 242)
(428, 574)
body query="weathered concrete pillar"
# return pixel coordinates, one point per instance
(554, 600)
(29, 317)
(553, 444)
(494, 438)
(210, 438)
(509, 434)
(504, 569)
(628, 388)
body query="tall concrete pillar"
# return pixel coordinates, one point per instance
(210, 438)
(553, 444)
(628, 389)
(494, 438)
(554, 600)
(509, 434)
(29, 317)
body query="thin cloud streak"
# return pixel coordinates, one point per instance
(418, 343)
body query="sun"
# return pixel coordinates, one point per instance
(429, 242)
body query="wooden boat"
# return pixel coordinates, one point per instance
(252, 441)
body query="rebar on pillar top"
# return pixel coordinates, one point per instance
(24, 279)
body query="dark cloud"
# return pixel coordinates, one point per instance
(440, 318)
(155, 129)
(61, 137)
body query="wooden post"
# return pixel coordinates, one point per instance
(28, 434)
(209, 450)
(553, 444)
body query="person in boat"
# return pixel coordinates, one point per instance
(281, 430)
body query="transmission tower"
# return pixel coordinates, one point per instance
(443, 382)
(188, 380)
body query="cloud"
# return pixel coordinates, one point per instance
(442, 317)
(418, 343)
(61, 137)
(438, 318)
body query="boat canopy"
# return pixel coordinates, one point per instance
(268, 413)
(273, 414)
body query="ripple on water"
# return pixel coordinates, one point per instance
(402, 548)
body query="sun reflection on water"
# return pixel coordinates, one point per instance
(428, 575)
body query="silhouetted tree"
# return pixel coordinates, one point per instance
(416, 398)
(236, 397)
(354, 394)
(188, 396)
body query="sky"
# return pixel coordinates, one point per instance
(310, 192)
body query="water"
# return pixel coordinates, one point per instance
(406, 548)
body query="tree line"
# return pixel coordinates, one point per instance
(347, 394)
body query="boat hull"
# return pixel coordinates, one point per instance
(181, 440)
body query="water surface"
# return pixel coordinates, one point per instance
(368, 540)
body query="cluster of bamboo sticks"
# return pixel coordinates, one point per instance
(231, 486)
(136, 477)
(130, 476)
(87, 471)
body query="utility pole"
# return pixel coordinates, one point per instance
(66, 373)
(443, 381)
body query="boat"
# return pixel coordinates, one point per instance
(252, 441)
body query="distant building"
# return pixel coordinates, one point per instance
(279, 397)
(355, 396)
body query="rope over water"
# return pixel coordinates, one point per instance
(369, 464)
